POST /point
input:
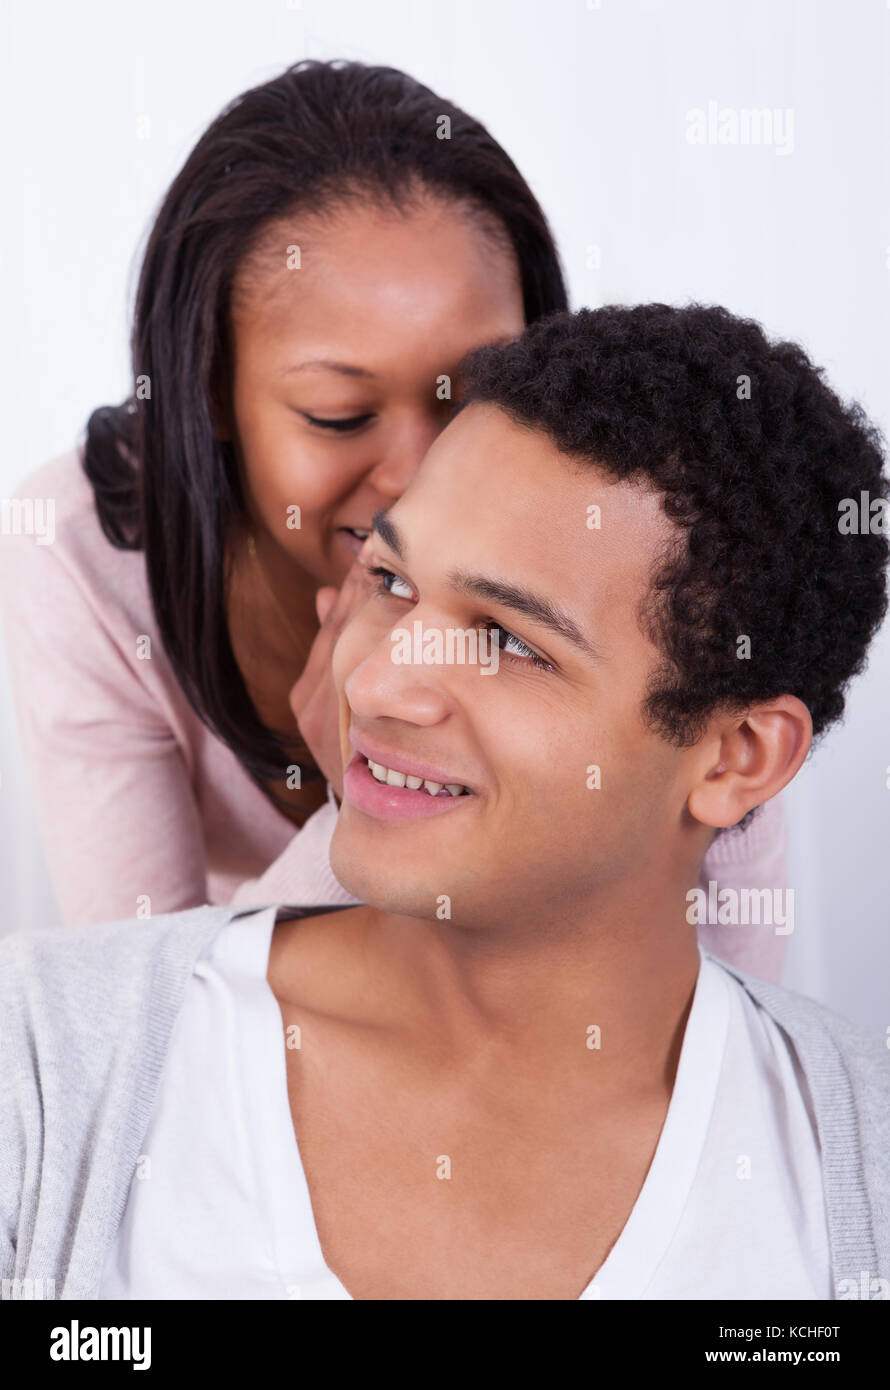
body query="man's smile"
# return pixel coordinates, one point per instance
(391, 785)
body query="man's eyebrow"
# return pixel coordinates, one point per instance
(540, 609)
(388, 532)
(344, 368)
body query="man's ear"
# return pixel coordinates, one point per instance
(747, 759)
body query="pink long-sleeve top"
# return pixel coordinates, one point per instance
(141, 808)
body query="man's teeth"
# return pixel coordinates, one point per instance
(401, 779)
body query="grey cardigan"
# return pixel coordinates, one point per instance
(86, 1015)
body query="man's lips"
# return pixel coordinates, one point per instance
(383, 802)
(412, 765)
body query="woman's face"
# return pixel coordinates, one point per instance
(338, 358)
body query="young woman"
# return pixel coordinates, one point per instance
(334, 245)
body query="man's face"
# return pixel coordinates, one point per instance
(494, 512)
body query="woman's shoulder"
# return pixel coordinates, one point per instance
(62, 478)
(53, 504)
(53, 544)
(56, 503)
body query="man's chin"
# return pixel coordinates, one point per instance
(402, 900)
(367, 876)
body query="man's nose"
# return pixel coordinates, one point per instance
(380, 687)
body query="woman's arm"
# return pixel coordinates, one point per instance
(753, 859)
(301, 876)
(119, 825)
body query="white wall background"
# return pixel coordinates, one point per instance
(591, 100)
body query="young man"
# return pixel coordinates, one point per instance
(510, 1073)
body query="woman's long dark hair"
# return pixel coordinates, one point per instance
(162, 481)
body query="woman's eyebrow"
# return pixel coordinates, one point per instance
(538, 607)
(344, 368)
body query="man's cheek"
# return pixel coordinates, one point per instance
(360, 637)
(346, 653)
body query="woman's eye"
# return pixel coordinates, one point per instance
(388, 582)
(352, 423)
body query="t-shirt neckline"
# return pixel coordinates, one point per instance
(644, 1240)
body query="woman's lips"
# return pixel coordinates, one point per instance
(355, 543)
(378, 799)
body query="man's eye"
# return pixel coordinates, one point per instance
(384, 586)
(517, 648)
(387, 582)
(352, 423)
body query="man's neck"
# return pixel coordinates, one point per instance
(610, 986)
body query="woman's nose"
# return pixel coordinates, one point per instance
(404, 452)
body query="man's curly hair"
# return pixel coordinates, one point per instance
(656, 394)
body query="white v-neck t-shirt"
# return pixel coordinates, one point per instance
(732, 1205)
